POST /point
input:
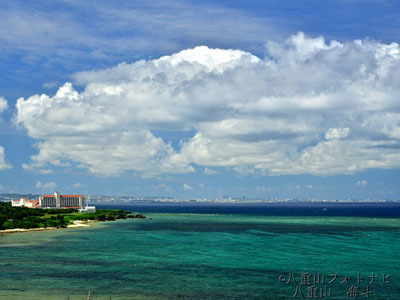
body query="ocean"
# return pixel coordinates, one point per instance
(213, 251)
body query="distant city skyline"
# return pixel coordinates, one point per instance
(201, 99)
(112, 199)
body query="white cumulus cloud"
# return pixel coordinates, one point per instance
(187, 187)
(3, 164)
(308, 107)
(51, 185)
(337, 133)
(3, 104)
(362, 183)
(208, 171)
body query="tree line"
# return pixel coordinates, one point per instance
(24, 217)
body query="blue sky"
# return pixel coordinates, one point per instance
(269, 99)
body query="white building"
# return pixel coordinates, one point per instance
(19, 202)
(25, 202)
(88, 209)
(55, 201)
(62, 201)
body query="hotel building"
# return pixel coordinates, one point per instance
(62, 201)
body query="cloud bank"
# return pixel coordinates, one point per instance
(308, 107)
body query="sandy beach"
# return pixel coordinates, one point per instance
(79, 223)
(76, 224)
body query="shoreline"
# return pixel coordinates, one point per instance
(76, 224)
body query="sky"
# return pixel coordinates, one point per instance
(201, 99)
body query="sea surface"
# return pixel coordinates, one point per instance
(213, 251)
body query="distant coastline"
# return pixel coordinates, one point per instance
(94, 199)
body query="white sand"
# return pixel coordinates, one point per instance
(76, 224)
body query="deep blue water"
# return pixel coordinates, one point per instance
(331, 209)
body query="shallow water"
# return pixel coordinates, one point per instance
(204, 256)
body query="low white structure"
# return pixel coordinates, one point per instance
(19, 202)
(32, 204)
(88, 209)
(25, 202)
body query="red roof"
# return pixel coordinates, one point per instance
(64, 196)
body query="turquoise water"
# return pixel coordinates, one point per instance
(203, 256)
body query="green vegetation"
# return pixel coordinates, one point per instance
(23, 217)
